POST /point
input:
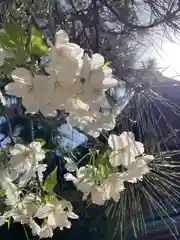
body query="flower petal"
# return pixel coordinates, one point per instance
(35, 146)
(18, 149)
(82, 172)
(85, 70)
(30, 171)
(137, 148)
(46, 232)
(72, 215)
(97, 195)
(127, 157)
(22, 75)
(61, 38)
(113, 141)
(97, 61)
(126, 138)
(63, 69)
(35, 227)
(71, 167)
(2, 220)
(114, 159)
(120, 142)
(75, 104)
(85, 185)
(124, 158)
(43, 88)
(110, 82)
(44, 211)
(71, 50)
(31, 105)
(96, 80)
(16, 89)
(107, 71)
(2, 99)
(148, 158)
(136, 171)
(69, 177)
(52, 221)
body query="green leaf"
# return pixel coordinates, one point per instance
(51, 181)
(6, 42)
(9, 222)
(50, 197)
(16, 34)
(2, 193)
(40, 140)
(46, 198)
(14, 39)
(45, 221)
(102, 170)
(38, 47)
(4, 156)
(107, 64)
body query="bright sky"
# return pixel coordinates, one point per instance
(157, 45)
(165, 51)
(170, 60)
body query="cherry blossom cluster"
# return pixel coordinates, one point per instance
(74, 81)
(28, 202)
(25, 202)
(125, 152)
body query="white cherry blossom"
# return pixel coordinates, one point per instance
(46, 232)
(94, 77)
(81, 119)
(101, 122)
(65, 48)
(125, 149)
(29, 205)
(74, 104)
(11, 190)
(92, 122)
(114, 185)
(138, 169)
(111, 187)
(87, 185)
(70, 164)
(90, 183)
(65, 59)
(62, 39)
(40, 169)
(27, 158)
(24, 210)
(17, 215)
(98, 195)
(83, 180)
(36, 91)
(34, 227)
(57, 212)
(65, 63)
(21, 153)
(12, 193)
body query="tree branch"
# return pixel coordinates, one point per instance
(96, 25)
(169, 16)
